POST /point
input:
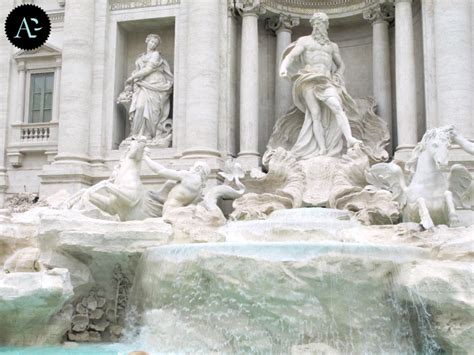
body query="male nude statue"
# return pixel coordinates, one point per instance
(185, 186)
(317, 90)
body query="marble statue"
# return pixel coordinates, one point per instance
(319, 92)
(183, 187)
(350, 190)
(147, 95)
(123, 193)
(320, 171)
(427, 196)
(281, 187)
(465, 144)
(193, 214)
(325, 121)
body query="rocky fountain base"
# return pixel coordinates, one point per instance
(303, 279)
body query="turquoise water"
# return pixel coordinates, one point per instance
(112, 349)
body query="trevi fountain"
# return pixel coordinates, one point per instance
(219, 176)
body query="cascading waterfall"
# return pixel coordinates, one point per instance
(268, 297)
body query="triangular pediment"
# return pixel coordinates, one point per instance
(46, 50)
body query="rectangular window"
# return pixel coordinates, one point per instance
(41, 97)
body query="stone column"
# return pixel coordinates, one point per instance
(405, 78)
(380, 16)
(5, 60)
(202, 72)
(57, 81)
(20, 109)
(282, 26)
(248, 155)
(75, 93)
(453, 41)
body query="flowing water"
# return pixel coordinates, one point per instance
(268, 297)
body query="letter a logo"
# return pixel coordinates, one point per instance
(27, 26)
(24, 27)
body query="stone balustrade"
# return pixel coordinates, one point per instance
(32, 137)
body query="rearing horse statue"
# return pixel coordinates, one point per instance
(425, 195)
(123, 193)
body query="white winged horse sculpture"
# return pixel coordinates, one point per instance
(428, 197)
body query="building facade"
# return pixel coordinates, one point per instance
(62, 128)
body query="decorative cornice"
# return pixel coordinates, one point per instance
(306, 8)
(56, 17)
(133, 4)
(281, 23)
(383, 12)
(46, 50)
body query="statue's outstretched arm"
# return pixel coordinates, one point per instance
(163, 171)
(464, 143)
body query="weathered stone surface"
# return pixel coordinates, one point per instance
(16, 234)
(30, 305)
(313, 349)
(99, 326)
(81, 337)
(80, 323)
(81, 309)
(96, 314)
(24, 260)
(91, 248)
(94, 336)
(101, 302)
(446, 289)
(116, 330)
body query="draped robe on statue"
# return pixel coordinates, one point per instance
(294, 130)
(150, 105)
(323, 88)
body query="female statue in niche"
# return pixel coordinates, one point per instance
(147, 95)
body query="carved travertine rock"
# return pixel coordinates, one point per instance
(31, 307)
(24, 260)
(350, 190)
(282, 187)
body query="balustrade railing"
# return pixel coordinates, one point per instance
(35, 134)
(25, 134)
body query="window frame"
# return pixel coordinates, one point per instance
(29, 95)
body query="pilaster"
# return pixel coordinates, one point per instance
(380, 16)
(405, 78)
(282, 26)
(250, 10)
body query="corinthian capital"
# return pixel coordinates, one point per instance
(382, 12)
(282, 22)
(249, 7)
